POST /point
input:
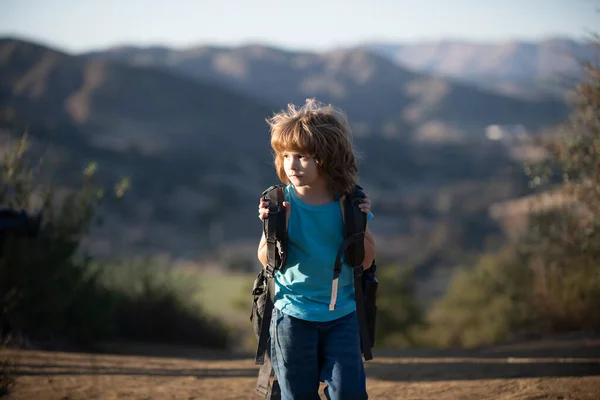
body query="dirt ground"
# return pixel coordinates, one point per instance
(551, 369)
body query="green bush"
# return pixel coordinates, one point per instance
(398, 314)
(46, 288)
(545, 286)
(549, 280)
(483, 304)
(563, 242)
(563, 252)
(51, 292)
(153, 302)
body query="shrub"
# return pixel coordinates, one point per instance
(563, 243)
(550, 280)
(483, 304)
(156, 303)
(50, 291)
(398, 313)
(46, 289)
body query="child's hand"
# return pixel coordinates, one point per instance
(365, 206)
(263, 209)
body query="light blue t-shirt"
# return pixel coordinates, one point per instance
(303, 286)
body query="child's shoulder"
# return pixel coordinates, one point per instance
(289, 190)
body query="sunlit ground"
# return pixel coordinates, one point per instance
(569, 370)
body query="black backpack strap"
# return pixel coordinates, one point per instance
(264, 386)
(262, 349)
(275, 230)
(355, 223)
(274, 227)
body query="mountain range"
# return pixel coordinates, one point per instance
(380, 96)
(164, 131)
(188, 127)
(515, 67)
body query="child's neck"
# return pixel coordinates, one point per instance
(315, 195)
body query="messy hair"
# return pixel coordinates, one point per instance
(320, 132)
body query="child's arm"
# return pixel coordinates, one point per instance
(369, 249)
(262, 250)
(365, 207)
(263, 212)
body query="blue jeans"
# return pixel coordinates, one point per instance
(304, 353)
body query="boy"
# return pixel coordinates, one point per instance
(314, 330)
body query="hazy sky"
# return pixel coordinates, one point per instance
(79, 25)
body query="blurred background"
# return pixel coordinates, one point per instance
(137, 131)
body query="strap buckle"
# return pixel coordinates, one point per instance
(269, 271)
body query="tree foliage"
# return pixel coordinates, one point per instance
(549, 280)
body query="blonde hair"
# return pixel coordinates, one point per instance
(321, 132)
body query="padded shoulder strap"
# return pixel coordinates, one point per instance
(274, 227)
(355, 223)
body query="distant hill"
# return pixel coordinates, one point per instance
(191, 148)
(380, 97)
(516, 67)
(172, 112)
(189, 128)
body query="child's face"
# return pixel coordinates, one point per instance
(301, 170)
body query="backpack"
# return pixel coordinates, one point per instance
(365, 282)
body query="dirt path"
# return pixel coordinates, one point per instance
(560, 369)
